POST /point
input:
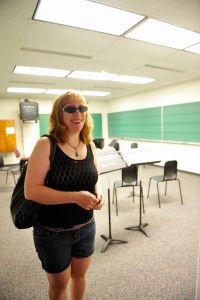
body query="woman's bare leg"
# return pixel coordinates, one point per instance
(79, 267)
(58, 284)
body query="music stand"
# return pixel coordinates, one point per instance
(141, 226)
(112, 143)
(109, 240)
(109, 160)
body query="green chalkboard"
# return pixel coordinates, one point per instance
(97, 131)
(181, 122)
(137, 124)
(44, 123)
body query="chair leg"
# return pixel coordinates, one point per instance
(113, 200)
(116, 204)
(14, 177)
(149, 188)
(158, 196)
(6, 176)
(180, 191)
(165, 188)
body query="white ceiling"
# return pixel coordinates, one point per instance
(26, 42)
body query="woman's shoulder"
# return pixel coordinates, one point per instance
(92, 147)
(42, 145)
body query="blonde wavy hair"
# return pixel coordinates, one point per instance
(57, 127)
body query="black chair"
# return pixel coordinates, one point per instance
(99, 143)
(8, 169)
(129, 179)
(15, 169)
(134, 145)
(3, 168)
(170, 173)
(116, 146)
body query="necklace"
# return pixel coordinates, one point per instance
(75, 148)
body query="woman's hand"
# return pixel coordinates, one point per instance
(86, 200)
(101, 201)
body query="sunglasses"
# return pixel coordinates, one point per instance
(72, 109)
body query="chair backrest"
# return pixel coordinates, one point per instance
(134, 145)
(130, 175)
(116, 146)
(1, 160)
(170, 170)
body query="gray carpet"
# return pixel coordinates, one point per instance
(160, 267)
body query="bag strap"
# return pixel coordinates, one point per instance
(52, 147)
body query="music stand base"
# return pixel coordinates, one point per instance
(109, 241)
(139, 227)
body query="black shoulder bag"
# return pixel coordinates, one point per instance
(23, 211)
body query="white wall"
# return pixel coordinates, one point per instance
(180, 93)
(188, 155)
(100, 107)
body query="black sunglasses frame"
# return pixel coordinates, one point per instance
(72, 109)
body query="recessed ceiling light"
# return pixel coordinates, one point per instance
(25, 90)
(87, 15)
(90, 75)
(85, 93)
(55, 92)
(157, 32)
(40, 71)
(132, 79)
(110, 77)
(94, 93)
(194, 49)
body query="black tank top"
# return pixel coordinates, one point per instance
(68, 174)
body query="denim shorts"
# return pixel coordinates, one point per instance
(56, 249)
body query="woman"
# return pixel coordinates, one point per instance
(65, 231)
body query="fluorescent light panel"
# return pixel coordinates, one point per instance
(160, 33)
(41, 71)
(55, 92)
(25, 90)
(85, 93)
(107, 19)
(91, 75)
(110, 77)
(87, 15)
(104, 76)
(194, 49)
(132, 79)
(94, 93)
